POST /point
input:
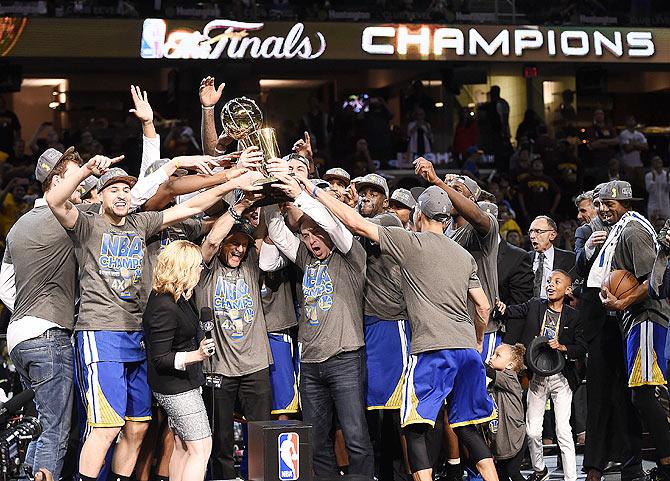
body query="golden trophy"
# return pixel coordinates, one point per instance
(242, 120)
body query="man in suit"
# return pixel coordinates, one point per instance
(608, 404)
(545, 257)
(515, 274)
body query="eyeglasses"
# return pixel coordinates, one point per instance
(539, 231)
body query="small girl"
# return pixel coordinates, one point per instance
(509, 429)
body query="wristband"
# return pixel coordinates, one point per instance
(314, 191)
(207, 108)
(237, 217)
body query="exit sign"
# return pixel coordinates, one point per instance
(530, 72)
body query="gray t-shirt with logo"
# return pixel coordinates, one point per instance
(111, 261)
(332, 309)
(189, 229)
(277, 300)
(45, 267)
(436, 276)
(239, 325)
(484, 248)
(636, 252)
(383, 289)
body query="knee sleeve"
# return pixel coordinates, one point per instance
(474, 443)
(417, 451)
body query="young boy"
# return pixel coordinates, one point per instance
(561, 324)
(509, 430)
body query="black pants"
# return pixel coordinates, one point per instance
(384, 428)
(511, 468)
(255, 398)
(612, 425)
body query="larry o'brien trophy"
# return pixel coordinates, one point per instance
(242, 120)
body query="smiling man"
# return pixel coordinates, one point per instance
(631, 246)
(110, 247)
(230, 286)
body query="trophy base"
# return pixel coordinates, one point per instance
(271, 195)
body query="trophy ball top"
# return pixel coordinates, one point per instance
(241, 116)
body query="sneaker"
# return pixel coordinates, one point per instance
(541, 476)
(454, 472)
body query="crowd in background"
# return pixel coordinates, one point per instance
(564, 12)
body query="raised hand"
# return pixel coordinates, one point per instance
(425, 168)
(100, 164)
(288, 185)
(246, 181)
(304, 146)
(202, 163)
(142, 108)
(250, 158)
(277, 166)
(209, 94)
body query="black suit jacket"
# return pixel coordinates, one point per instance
(515, 274)
(564, 260)
(591, 310)
(524, 321)
(171, 327)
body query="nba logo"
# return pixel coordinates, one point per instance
(288, 445)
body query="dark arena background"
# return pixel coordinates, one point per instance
(551, 120)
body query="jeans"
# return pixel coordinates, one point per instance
(254, 394)
(339, 383)
(46, 365)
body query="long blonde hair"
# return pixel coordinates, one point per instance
(177, 269)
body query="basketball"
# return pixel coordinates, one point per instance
(621, 283)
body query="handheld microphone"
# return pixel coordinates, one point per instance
(15, 403)
(207, 321)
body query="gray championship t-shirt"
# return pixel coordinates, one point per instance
(111, 261)
(45, 267)
(242, 345)
(436, 276)
(189, 229)
(277, 300)
(485, 251)
(383, 287)
(635, 252)
(332, 309)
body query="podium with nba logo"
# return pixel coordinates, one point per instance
(279, 451)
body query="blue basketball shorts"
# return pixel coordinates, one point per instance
(645, 355)
(387, 355)
(282, 375)
(491, 341)
(112, 380)
(455, 375)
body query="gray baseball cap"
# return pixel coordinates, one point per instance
(294, 156)
(489, 207)
(596, 191)
(617, 190)
(321, 184)
(435, 204)
(470, 183)
(48, 161)
(356, 180)
(404, 197)
(90, 183)
(113, 176)
(375, 181)
(337, 173)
